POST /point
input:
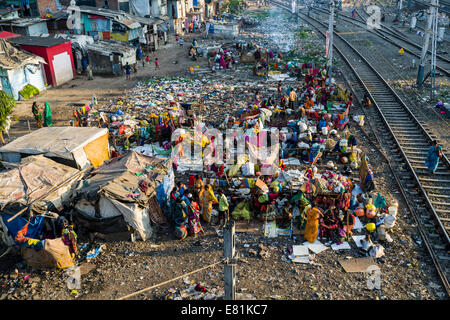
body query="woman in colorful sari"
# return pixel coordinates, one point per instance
(37, 115)
(434, 153)
(47, 115)
(194, 218)
(328, 225)
(207, 199)
(312, 224)
(198, 185)
(222, 62)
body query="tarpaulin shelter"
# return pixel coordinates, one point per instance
(18, 69)
(31, 179)
(79, 146)
(124, 189)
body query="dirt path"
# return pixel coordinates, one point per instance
(80, 90)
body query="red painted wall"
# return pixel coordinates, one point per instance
(48, 53)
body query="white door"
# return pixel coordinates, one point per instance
(63, 68)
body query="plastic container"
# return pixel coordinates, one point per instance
(359, 212)
(393, 211)
(371, 213)
(325, 131)
(393, 203)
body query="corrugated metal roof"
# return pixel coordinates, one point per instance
(37, 41)
(108, 47)
(22, 22)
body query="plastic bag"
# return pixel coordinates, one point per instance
(380, 201)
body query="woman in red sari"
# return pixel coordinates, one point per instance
(194, 217)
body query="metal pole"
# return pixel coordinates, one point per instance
(229, 252)
(433, 49)
(425, 45)
(330, 41)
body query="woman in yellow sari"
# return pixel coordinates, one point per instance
(199, 187)
(312, 224)
(207, 199)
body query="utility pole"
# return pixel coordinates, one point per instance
(433, 50)
(426, 41)
(330, 40)
(229, 252)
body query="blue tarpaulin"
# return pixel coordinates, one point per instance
(34, 228)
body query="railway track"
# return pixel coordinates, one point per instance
(405, 142)
(388, 34)
(444, 6)
(363, 15)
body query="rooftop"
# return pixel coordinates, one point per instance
(37, 41)
(22, 22)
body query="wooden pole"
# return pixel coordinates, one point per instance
(29, 128)
(230, 266)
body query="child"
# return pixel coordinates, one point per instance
(147, 59)
(156, 63)
(223, 207)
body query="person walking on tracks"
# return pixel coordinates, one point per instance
(434, 153)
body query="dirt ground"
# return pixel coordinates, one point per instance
(79, 91)
(125, 267)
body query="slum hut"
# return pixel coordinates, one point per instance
(28, 181)
(221, 30)
(108, 57)
(149, 37)
(57, 22)
(25, 26)
(43, 186)
(18, 69)
(57, 54)
(124, 195)
(79, 49)
(79, 147)
(108, 24)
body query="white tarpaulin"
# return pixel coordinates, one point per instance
(136, 216)
(62, 142)
(140, 7)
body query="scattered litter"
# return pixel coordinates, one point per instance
(342, 246)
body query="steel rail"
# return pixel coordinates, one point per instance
(440, 227)
(379, 33)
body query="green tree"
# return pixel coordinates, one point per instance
(7, 104)
(233, 6)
